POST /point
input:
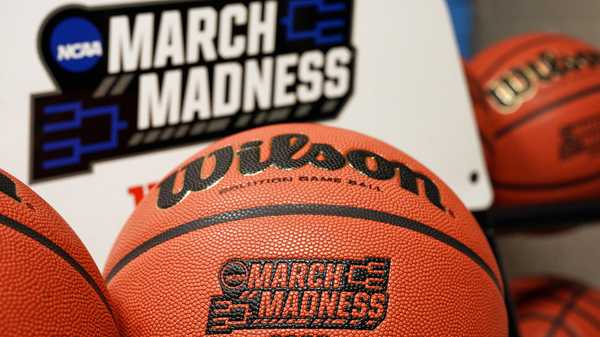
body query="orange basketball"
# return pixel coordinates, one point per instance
(541, 118)
(304, 230)
(554, 307)
(49, 284)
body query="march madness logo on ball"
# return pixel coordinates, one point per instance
(300, 294)
(145, 77)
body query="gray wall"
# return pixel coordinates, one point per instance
(496, 20)
(574, 253)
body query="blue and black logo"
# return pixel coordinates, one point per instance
(158, 75)
(76, 44)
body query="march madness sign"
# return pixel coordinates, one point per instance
(144, 77)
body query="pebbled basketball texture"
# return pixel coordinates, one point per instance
(549, 306)
(49, 284)
(304, 230)
(540, 118)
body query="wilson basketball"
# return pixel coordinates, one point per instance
(304, 230)
(554, 307)
(542, 122)
(50, 285)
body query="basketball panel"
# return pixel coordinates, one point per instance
(344, 185)
(43, 296)
(431, 287)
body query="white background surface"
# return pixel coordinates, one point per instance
(409, 91)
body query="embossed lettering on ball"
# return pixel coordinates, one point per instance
(537, 110)
(304, 230)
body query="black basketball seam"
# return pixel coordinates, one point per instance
(544, 109)
(559, 320)
(586, 316)
(304, 209)
(545, 186)
(547, 294)
(487, 143)
(576, 310)
(56, 249)
(546, 318)
(512, 52)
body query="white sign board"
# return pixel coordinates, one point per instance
(98, 101)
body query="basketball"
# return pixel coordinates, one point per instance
(554, 307)
(304, 230)
(541, 118)
(50, 285)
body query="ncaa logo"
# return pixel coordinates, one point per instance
(174, 72)
(76, 44)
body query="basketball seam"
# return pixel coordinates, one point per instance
(587, 316)
(304, 209)
(56, 249)
(547, 294)
(546, 318)
(559, 320)
(577, 309)
(544, 109)
(486, 142)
